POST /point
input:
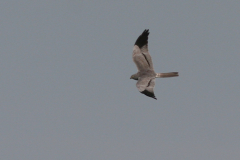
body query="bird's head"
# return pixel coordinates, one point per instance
(134, 76)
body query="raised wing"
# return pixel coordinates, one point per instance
(145, 86)
(141, 56)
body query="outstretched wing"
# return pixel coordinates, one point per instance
(145, 86)
(141, 56)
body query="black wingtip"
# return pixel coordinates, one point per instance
(142, 39)
(149, 94)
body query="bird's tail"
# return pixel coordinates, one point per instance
(166, 75)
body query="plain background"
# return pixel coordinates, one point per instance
(65, 91)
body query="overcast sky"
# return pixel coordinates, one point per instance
(65, 92)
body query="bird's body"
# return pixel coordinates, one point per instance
(146, 74)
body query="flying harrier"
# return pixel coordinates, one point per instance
(146, 75)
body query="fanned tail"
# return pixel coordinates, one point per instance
(166, 75)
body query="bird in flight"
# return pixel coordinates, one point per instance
(146, 75)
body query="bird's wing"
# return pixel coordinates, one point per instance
(145, 86)
(141, 56)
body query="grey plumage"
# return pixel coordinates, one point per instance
(146, 74)
(166, 75)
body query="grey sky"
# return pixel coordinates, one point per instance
(65, 87)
